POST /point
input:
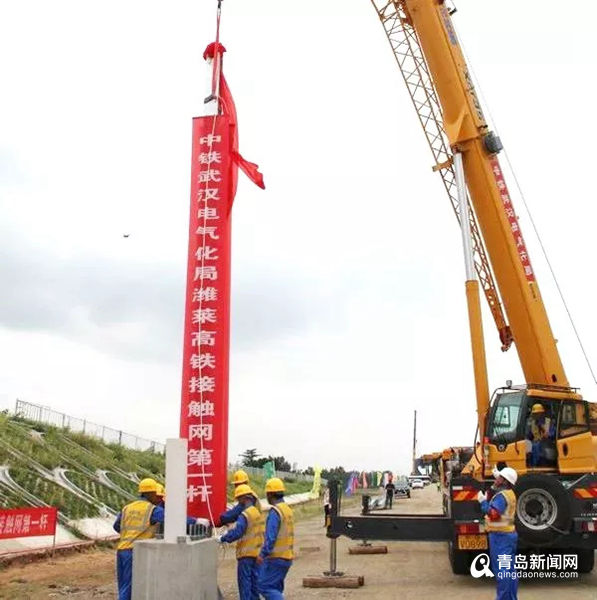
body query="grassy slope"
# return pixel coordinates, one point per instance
(79, 453)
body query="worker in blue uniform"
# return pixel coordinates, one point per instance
(229, 516)
(277, 553)
(161, 494)
(499, 513)
(141, 519)
(138, 520)
(248, 535)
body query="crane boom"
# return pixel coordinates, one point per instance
(467, 132)
(409, 56)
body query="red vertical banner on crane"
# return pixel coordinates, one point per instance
(204, 408)
(521, 248)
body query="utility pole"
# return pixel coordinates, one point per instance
(414, 469)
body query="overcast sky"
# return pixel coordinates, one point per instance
(348, 307)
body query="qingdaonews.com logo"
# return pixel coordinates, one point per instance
(521, 566)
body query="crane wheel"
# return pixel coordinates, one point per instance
(543, 510)
(586, 559)
(460, 560)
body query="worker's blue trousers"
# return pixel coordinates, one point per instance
(271, 578)
(504, 545)
(247, 572)
(124, 573)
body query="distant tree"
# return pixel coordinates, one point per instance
(338, 473)
(309, 471)
(250, 458)
(259, 462)
(280, 463)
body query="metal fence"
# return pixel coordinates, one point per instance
(43, 414)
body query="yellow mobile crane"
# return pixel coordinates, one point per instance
(541, 428)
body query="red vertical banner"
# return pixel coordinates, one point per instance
(204, 406)
(512, 220)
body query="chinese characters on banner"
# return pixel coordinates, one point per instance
(27, 522)
(515, 228)
(204, 408)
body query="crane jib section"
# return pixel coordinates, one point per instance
(409, 55)
(436, 74)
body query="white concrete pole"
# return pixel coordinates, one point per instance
(175, 525)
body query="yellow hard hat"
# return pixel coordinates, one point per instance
(240, 477)
(274, 485)
(148, 485)
(243, 490)
(537, 409)
(161, 491)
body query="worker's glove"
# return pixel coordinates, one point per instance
(481, 497)
(218, 539)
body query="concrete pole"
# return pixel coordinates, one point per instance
(175, 525)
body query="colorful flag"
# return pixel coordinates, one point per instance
(269, 469)
(316, 483)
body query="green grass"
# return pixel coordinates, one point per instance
(11, 499)
(123, 483)
(98, 490)
(53, 494)
(20, 438)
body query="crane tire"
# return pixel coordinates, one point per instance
(460, 560)
(586, 559)
(543, 509)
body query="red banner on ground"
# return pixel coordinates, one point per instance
(204, 410)
(27, 522)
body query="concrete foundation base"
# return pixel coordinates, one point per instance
(164, 570)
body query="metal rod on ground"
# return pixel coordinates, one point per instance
(334, 502)
(333, 572)
(414, 469)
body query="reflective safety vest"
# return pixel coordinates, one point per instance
(135, 524)
(505, 523)
(283, 548)
(249, 545)
(540, 431)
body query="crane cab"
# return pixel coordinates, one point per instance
(540, 428)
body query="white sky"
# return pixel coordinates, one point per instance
(348, 295)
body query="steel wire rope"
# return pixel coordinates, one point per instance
(215, 92)
(528, 210)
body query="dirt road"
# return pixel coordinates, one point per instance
(409, 571)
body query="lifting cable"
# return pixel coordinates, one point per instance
(215, 90)
(528, 210)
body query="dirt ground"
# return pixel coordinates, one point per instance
(410, 570)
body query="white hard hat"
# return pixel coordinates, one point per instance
(509, 474)
(495, 472)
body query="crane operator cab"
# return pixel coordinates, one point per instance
(534, 428)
